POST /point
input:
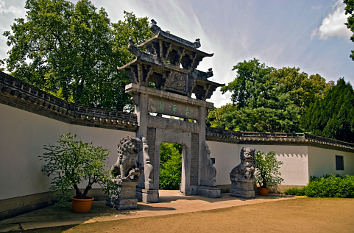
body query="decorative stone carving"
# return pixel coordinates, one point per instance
(210, 169)
(242, 176)
(126, 173)
(126, 165)
(208, 185)
(176, 82)
(148, 168)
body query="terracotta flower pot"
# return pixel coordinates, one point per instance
(263, 191)
(80, 205)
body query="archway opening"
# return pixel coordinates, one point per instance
(170, 166)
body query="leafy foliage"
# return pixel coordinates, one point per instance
(349, 9)
(72, 162)
(332, 116)
(295, 191)
(327, 186)
(267, 169)
(267, 99)
(170, 166)
(73, 50)
(331, 186)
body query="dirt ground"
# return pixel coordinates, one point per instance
(297, 215)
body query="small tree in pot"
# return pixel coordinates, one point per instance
(267, 172)
(71, 163)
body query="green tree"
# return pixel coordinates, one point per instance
(267, 99)
(349, 10)
(332, 116)
(73, 50)
(250, 82)
(170, 166)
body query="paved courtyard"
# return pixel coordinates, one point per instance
(171, 202)
(178, 213)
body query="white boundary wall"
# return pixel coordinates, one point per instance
(323, 162)
(22, 136)
(299, 162)
(295, 161)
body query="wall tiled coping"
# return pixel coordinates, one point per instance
(269, 138)
(19, 94)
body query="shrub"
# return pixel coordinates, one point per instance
(331, 186)
(326, 186)
(267, 169)
(74, 162)
(295, 191)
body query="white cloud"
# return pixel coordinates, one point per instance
(333, 23)
(6, 9)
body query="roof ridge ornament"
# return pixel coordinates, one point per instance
(153, 26)
(197, 43)
(133, 49)
(210, 72)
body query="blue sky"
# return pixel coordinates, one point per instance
(301, 33)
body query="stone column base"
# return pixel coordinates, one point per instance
(193, 190)
(139, 194)
(126, 204)
(208, 191)
(244, 189)
(150, 195)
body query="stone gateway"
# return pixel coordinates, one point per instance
(163, 78)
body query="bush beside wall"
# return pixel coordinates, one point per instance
(327, 186)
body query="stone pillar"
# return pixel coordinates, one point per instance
(150, 191)
(202, 137)
(207, 172)
(145, 191)
(141, 112)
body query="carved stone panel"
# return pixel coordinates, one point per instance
(194, 159)
(176, 82)
(172, 108)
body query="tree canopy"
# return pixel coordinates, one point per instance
(349, 10)
(332, 116)
(73, 50)
(267, 99)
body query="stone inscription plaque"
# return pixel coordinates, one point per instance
(167, 107)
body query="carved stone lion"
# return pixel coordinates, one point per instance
(126, 165)
(242, 176)
(245, 170)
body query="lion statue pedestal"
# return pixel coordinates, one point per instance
(242, 176)
(126, 199)
(126, 173)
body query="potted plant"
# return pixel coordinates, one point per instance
(267, 172)
(71, 163)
